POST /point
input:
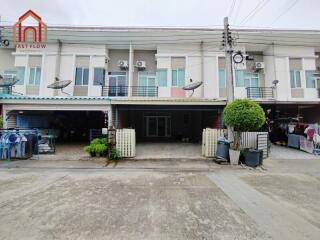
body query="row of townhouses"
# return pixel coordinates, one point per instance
(134, 78)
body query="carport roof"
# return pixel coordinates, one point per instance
(25, 97)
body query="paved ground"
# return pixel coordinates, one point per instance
(160, 200)
(168, 150)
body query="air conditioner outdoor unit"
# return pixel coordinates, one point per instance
(123, 64)
(259, 65)
(141, 64)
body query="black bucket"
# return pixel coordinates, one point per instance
(253, 158)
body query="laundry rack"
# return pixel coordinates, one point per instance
(19, 144)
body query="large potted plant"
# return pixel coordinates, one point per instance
(242, 115)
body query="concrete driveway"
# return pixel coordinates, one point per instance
(220, 202)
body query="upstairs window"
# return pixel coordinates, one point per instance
(82, 76)
(34, 75)
(178, 77)
(295, 79)
(222, 78)
(20, 73)
(247, 79)
(98, 78)
(162, 77)
(295, 66)
(311, 80)
(178, 65)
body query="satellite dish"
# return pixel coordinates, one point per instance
(192, 86)
(8, 83)
(59, 84)
(275, 82)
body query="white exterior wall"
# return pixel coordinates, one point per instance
(276, 61)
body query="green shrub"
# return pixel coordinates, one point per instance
(100, 149)
(115, 154)
(243, 115)
(97, 146)
(98, 141)
(1, 121)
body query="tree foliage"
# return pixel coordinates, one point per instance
(244, 115)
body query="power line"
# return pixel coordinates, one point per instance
(255, 11)
(231, 8)
(237, 11)
(285, 11)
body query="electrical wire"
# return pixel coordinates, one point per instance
(285, 11)
(255, 11)
(237, 11)
(231, 8)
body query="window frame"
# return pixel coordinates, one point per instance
(224, 85)
(295, 78)
(314, 79)
(83, 69)
(180, 82)
(247, 77)
(94, 83)
(37, 73)
(160, 83)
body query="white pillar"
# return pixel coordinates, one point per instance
(131, 70)
(110, 123)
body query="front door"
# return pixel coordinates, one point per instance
(158, 126)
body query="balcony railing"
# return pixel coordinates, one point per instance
(260, 92)
(136, 91)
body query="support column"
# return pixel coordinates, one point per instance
(131, 70)
(110, 122)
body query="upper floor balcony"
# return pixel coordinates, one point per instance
(261, 92)
(125, 91)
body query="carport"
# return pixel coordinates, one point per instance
(68, 118)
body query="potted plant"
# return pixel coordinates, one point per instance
(242, 115)
(97, 147)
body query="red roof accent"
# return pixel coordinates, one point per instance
(30, 13)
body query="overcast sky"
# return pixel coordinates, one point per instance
(293, 14)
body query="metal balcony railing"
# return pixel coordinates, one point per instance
(260, 92)
(136, 91)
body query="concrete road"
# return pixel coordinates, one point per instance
(219, 202)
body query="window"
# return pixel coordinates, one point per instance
(82, 76)
(295, 79)
(311, 80)
(162, 77)
(222, 78)
(247, 79)
(20, 75)
(178, 77)
(98, 78)
(147, 85)
(34, 75)
(117, 84)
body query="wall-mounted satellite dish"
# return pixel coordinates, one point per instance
(275, 82)
(7, 83)
(60, 84)
(192, 86)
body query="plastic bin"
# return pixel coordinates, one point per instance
(223, 150)
(253, 158)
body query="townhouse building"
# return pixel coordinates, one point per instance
(134, 78)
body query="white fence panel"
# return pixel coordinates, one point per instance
(209, 141)
(126, 142)
(256, 140)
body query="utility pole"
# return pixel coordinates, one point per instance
(227, 43)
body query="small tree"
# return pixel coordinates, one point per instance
(243, 115)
